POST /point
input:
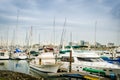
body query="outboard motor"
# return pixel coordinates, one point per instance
(113, 76)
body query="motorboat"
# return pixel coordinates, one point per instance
(4, 54)
(109, 56)
(89, 62)
(45, 63)
(18, 54)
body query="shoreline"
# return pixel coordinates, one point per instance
(11, 75)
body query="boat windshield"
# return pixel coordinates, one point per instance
(1, 54)
(90, 59)
(67, 59)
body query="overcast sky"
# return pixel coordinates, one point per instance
(81, 16)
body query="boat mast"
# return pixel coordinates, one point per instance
(39, 41)
(63, 35)
(54, 31)
(118, 32)
(26, 40)
(1, 42)
(95, 36)
(71, 40)
(16, 28)
(7, 38)
(30, 42)
(30, 37)
(13, 39)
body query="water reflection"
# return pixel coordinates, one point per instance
(23, 67)
(15, 65)
(3, 64)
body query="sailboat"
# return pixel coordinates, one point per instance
(4, 49)
(18, 54)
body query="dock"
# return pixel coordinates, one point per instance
(74, 75)
(77, 75)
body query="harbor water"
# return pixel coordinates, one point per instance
(22, 66)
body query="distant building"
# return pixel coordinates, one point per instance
(86, 43)
(110, 45)
(98, 44)
(82, 42)
(73, 43)
(103, 46)
(70, 43)
(36, 45)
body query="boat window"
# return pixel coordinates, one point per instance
(110, 70)
(66, 59)
(90, 59)
(1, 54)
(84, 59)
(104, 69)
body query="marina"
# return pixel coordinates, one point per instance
(59, 40)
(67, 63)
(22, 66)
(50, 62)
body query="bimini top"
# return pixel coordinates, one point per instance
(88, 54)
(46, 55)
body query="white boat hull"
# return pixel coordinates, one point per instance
(90, 61)
(46, 68)
(20, 56)
(4, 55)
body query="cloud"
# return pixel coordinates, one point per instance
(116, 11)
(81, 16)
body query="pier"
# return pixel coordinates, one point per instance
(76, 75)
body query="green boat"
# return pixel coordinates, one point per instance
(101, 72)
(64, 51)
